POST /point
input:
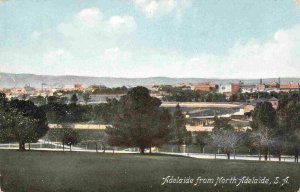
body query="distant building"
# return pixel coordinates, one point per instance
(229, 89)
(261, 87)
(205, 86)
(78, 87)
(29, 90)
(248, 88)
(273, 101)
(68, 87)
(290, 87)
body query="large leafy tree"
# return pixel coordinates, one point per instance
(289, 123)
(265, 127)
(138, 121)
(22, 122)
(264, 116)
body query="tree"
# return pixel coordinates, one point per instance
(179, 131)
(16, 127)
(86, 97)
(222, 124)
(265, 126)
(224, 136)
(202, 139)
(69, 136)
(138, 121)
(289, 122)
(226, 140)
(74, 98)
(264, 116)
(22, 122)
(39, 100)
(261, 140)
(3, 100)
(52, 99)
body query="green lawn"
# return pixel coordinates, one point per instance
(74, 171)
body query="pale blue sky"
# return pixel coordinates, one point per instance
(142, 38)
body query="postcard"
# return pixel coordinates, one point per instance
(149, 95)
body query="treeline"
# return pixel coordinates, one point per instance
(181, 94)
(273, 132)
(58, 112)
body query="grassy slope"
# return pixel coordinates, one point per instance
(58, 171)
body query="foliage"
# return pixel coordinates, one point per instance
(227, 140)
(74, 98)
(202, 139)
(22, 122)
(138, 121)
(179, 133)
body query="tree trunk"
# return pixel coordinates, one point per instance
(142, 150)
(259, 154)
(296, 153)
(233, 153)
(104, 148)
(228, 155)
(63, 147)
(96, 147)
(70, 147)
(150, 150)
(178, 148)
(29, 146)
(21, 146)
(266, 156)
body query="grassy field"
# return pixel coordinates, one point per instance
(74, 171)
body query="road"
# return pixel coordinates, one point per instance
(58, 147)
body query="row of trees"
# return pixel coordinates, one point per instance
(273, 131)
(137, 121)
(181, 94)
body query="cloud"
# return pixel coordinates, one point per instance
(115, 55)
(35, 35)
(277, 57)
(56, 57)
(89, 24)
(90, 16)
(154, 8)
(122, 24)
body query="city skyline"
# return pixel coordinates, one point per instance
(150, 38)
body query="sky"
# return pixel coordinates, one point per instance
(151, 38)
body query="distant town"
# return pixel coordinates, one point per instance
(200, 102)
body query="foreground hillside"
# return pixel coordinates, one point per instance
(71, 171)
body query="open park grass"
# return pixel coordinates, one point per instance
(75, 171)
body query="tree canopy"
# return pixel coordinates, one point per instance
(138, 121)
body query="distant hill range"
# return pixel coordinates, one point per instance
(9, 80)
